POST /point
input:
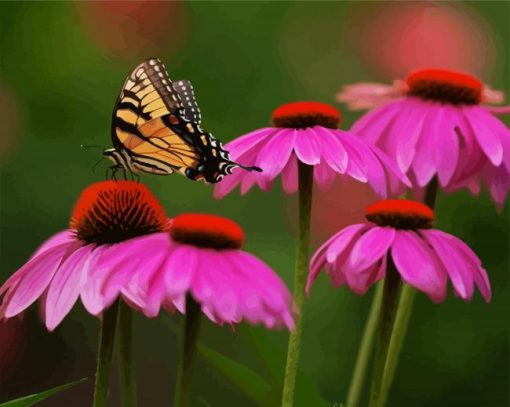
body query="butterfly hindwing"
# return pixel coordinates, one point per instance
(189, 103)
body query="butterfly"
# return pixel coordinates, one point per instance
(156, 129)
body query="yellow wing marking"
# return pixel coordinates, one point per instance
(154, 106)
(128, 116)
(150, 97)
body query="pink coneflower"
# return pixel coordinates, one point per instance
(117, 230)
(206, 272)
(438, 126)
(205, 260)
(400, 232)
(307, 132)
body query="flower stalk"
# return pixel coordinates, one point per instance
(188, 347)
(104, 355)
(391, 291)
(393, 325)
(365, 349)
(305, 181)
(125, 334)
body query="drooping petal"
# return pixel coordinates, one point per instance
(362, 280)
(65, 236)
(333, 152)
(308, 146)
(276, 152)
(290, 175)
(480, 276)
(424, 163)
(369, 248)
(372, 124)
(447, 145)
(418, 265)
(64, 288)
(488, 141)
(459, 270)
(249, 141)
(340, 241)
(180, 270)
(133, 277)
(34, 278)
(324, 176)
(363, 152)
(272, 292)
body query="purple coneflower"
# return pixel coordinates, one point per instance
(117, 230)
(400, 231)
(307, 133)
(205, 260)
(397, 244)
(207, 272)
(435, 123)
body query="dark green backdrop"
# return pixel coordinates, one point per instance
(61, 67)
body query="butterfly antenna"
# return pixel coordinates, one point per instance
(92, 146)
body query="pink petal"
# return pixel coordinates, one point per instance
(489, 142)
(34, 279)
(480, 276)
(308, 146)
(369, 248)
(424, 164)
(459, 270)
(418, 265)
(340, 241)
(361, 281)
(180, 270)
(248, 141)
(276, 152)
(64, 288)
(324, 176)
(496, 126)
(373, 169)
(372, 124)
(333, 152)
(290, 176)
(62, 237)
(447, 145)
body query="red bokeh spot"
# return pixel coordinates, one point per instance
(398, 37)
(135, 28)
(204, 230)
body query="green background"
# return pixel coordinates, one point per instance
(58, 82)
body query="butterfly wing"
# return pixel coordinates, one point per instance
(191, 110)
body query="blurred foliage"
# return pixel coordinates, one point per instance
(244, 60)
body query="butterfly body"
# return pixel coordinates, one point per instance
(156, 129)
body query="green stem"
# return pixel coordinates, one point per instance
(385, 364)
(305, 178)
(391, 290)
(405, 308)
(188, 348)
(125, 333)
(104, 355)
(365, 349)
